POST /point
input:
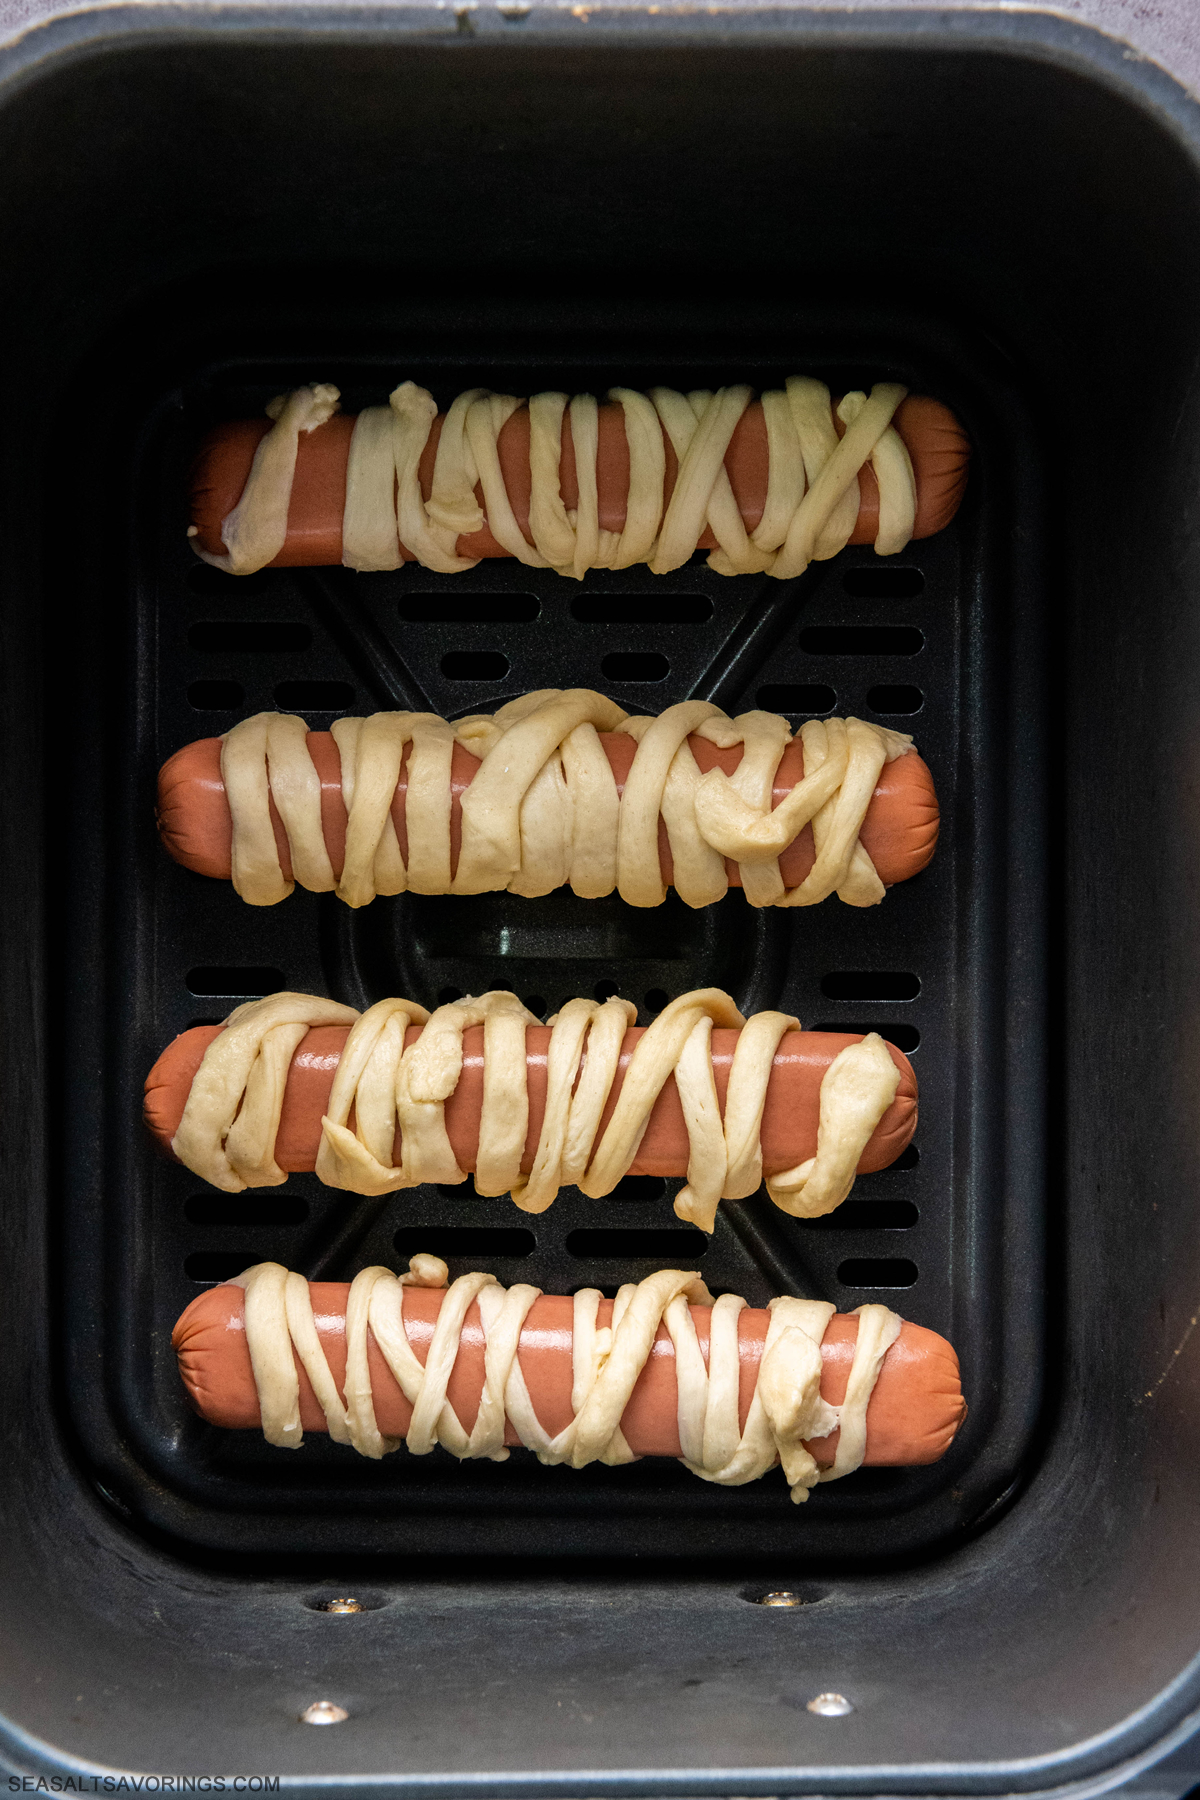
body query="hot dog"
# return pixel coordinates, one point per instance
(382, 1095)
(936, 443)
(914, 1411)
(899, 831)
(789, 1124)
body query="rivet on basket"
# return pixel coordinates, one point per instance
(830, 1706)
(323, 1712)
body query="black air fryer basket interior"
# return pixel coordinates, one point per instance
(196, 211)
(920, 643)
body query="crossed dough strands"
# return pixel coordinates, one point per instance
(787, 1407)
(811, 507)
(231, 1116)
(543, 808)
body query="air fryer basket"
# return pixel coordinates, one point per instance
(921, 642)
(195, 209)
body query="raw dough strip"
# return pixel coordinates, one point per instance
(543, 809)
(264, 758)
(369, 536)
(786, 1408)
(227, 1133)
(700, 426)
(256, 530)
(833, 477)
(231, 1116)
(572, 543)
(812, 480)
(842, 762)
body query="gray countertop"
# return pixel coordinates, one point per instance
(1166, 32)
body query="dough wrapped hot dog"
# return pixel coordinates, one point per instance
(397, 1096)
(766, 485)
(556, 787)
(660, 1371)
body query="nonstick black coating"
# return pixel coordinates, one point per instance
(917, 641)
(1003, 206)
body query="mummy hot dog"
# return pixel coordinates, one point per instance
(661, 1371)
(767, 485)
(556, 787)
(483, 1084)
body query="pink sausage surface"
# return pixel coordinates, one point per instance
(789, 1126)
(914, 1413)
(937, 445)
(899, 831)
